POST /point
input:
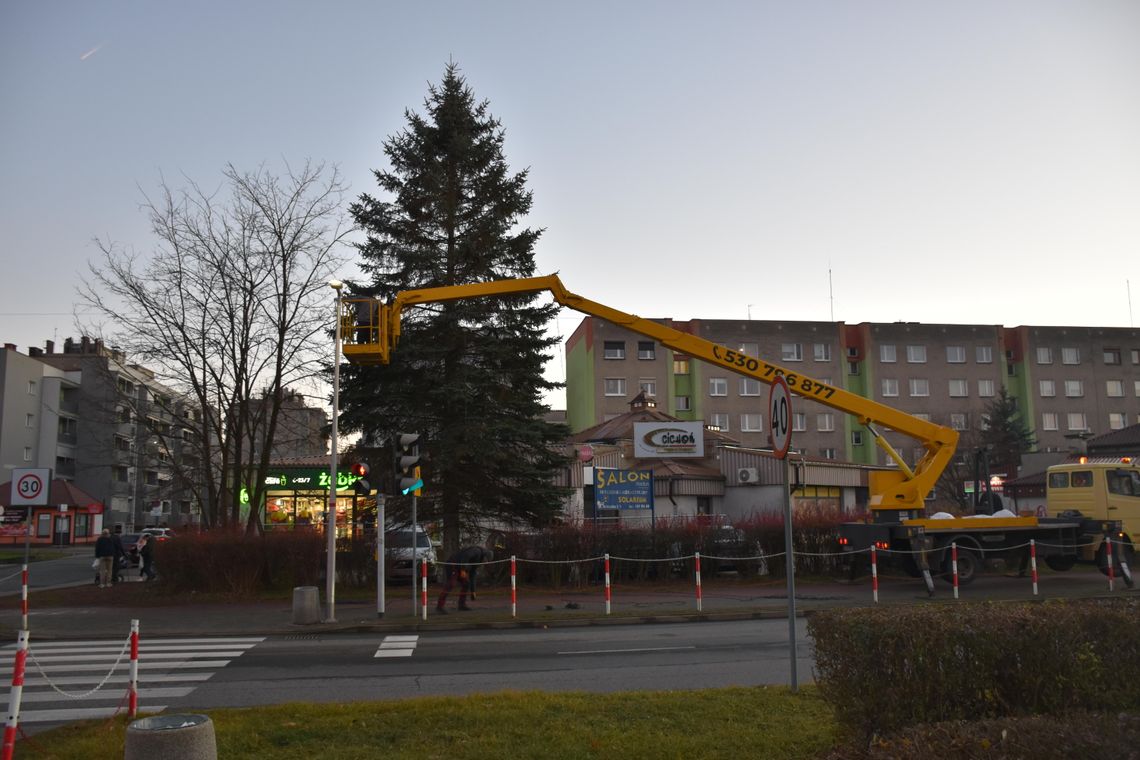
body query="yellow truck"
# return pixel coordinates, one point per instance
(1108, 491)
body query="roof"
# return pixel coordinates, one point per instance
(642, 409)
(60, 492)
(1124, 438)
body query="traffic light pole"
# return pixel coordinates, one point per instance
(330, 513)
(415, 552)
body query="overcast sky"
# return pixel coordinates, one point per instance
(962, 162)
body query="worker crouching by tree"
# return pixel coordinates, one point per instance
(461, 568)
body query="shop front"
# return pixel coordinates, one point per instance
(70, 517)
(297, 497)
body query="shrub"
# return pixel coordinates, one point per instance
(231, 562)
(886, 668)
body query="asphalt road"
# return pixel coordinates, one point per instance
(342, 668)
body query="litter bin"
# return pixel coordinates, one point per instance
(171, 737)
(306, 605)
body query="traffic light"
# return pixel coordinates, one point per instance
(406, 455)
(361, 485)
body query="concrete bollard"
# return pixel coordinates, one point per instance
(306, 605)
(171, 737)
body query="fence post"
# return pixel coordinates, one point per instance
(24, 596)
(697, 567)
(954, 565)
(1108, 558)
(607, 566)
(1033, 563)
(874, 574)
(423, 584)
(133, 677)
(514, 589)
(17, 693)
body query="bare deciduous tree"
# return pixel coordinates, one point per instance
(231, 309)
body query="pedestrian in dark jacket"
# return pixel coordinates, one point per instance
(105, 554)
(146, 553)
(120, 557)
(461, 569)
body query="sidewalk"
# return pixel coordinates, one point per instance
(722, 600)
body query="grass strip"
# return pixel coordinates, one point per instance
(710, 723)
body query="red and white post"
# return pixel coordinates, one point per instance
(24, 596)
(874, 574)
(1033, 563)
(954, 565)
(133, 675)
(608, 598)
(697, 568)
(423, 587)
(1108, 559)
(16, 695)
(514, 589)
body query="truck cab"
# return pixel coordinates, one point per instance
(1101, 491)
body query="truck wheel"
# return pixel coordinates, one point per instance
(1060, 563)
(969, 565)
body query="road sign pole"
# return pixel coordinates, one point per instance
(780, 410)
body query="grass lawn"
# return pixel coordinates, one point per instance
(16, 556)
(715, 723)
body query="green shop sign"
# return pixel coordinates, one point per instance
(302, 480)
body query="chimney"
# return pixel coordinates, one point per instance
(33, 351)
(84, 345)
(10, 346)
(68, 346)
(49, 346)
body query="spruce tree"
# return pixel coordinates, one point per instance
(467, 375)
(1006, 434)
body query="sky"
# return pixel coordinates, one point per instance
(874, 161)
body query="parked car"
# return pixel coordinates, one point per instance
(398, 550)
(159, 534)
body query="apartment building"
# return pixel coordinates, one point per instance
(1069, 382)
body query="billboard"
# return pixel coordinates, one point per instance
(623, 489)
(668, 440)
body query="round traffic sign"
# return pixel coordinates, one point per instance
(29, 486)
(780, 411)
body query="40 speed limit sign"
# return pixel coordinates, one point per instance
(780, 412)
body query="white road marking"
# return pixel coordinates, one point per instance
(397, 646)
(623, 651)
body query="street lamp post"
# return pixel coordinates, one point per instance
(330, 514)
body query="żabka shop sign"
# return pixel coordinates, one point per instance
(668, 440)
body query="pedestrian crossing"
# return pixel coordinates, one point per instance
(81, 680)
(397, 646)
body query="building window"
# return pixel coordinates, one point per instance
(1135, 355)
(821, 352)
(121, 474)
(959, 421)
(1136, 387)
(1049, 421)
(828, 454)
(680, 366)
(1112, 356)
(985, 388)
(799, 422)
(1048, 388)
(82, 524)
(959, 389)
(1077, 421)
(718, 386)
(1114, 388)
(916, 354)
(27, 453)
(922, 416)
(749, 387)
(852, 368)
(1116, 420)
(984, 422)
(890, 387)
(614, 349)
(919, 386)
(1070, 355)
(31, 387)
(825, 423)
(1074, 388)
(791, 352)
(984, 355)
(856, 437)
(29, 420)
(43, 525)
(648, 386)
(750, 349)
(1044, 355)
(720, 422)
(646, 349)
(887, 354)
(956, 354)
(683, 404)
(615, 386)
(751, 423)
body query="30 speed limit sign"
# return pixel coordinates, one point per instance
(780, 412)
(30, 487)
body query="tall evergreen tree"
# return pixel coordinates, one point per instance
(1006, 433)
(466, 375)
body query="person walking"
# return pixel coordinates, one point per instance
(146, 553)
(461, 568)
(120, 557)
(105, 556)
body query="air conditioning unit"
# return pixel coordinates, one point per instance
(747, 475)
